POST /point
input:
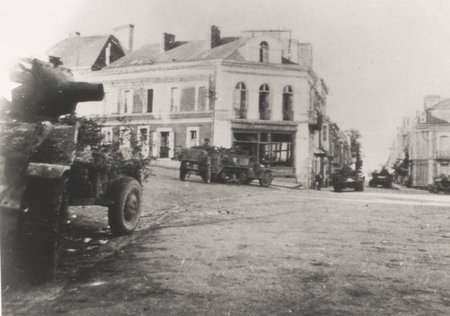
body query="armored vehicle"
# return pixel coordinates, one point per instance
(43, 170)
(223, 165)
(383, 178)
(347, 178)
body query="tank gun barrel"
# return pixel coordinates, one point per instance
(49, 92)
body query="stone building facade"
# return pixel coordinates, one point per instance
(257, 91)
(426, 140)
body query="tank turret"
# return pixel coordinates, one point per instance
(48, 91)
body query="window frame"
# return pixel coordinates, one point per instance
(188, 136)
(264, 89)
(264, 52)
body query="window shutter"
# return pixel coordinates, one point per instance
(137, 101)
(171, 144)
(119, 102)
(155, 144)
(201, 106)
(187, 102)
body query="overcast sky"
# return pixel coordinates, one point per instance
(379, 58)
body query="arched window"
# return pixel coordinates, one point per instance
(263, 52)
(264, 102)
(288, 110)
(240, 101)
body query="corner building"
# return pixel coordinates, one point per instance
(257, 91)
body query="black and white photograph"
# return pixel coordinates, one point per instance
(210, 157)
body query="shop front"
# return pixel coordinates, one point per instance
(273, 148)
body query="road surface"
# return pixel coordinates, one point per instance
(217, 249)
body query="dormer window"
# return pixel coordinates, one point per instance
(263, 52)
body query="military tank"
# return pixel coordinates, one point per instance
(42, 174)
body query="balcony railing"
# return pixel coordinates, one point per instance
(240, 113)
(443, 154)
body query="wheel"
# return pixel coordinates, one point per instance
(371, 183)
(337, 188)
(359, 188)
(266, 179)
(243, 178)
(39, 228)
(433, 188)
(124, 213)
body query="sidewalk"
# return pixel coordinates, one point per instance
(282, 182)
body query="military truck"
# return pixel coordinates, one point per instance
(44, 170)
(440, 183)
(383, 178)
(223, 165)
(347, 178)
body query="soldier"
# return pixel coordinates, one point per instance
(206, 142)
(318, 181)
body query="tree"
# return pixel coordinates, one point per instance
(355, 148)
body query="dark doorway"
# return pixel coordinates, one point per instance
(164, 145)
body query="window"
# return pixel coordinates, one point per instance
(192, 136)
(107, 135)
(174, 100)
(288, 111)
(125, 137)
(272, 149)
(240, 101)
(264, 102)
(126, 102)
(263, 52)
(149, 101)
(144, 140)
(324, 131)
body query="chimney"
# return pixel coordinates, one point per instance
(125, 35)
(167, 42)
(430, 101)
(213, 39)
(305, 57)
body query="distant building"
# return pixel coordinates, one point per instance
(257, 91)
(422, 145)
(400, 151)
(430, 142)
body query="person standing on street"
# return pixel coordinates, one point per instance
(318, 181)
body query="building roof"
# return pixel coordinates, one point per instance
(181, 51)
(442, 105)
(79, 51)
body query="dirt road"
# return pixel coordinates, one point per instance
(245, 250)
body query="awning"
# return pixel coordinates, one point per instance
(319, 152)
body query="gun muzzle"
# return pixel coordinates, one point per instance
(72, 91)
